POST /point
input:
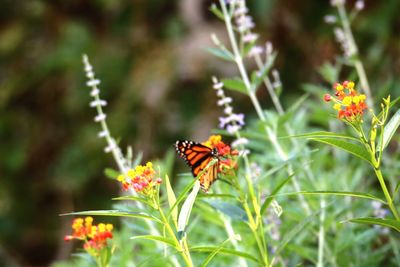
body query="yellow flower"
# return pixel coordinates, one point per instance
(337, 106)
(347, 100)
(212, 141)
(101, 227)
(350, 85)
(121, 178)
(109, 227)
(131, 173)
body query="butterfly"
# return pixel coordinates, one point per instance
(198, 156)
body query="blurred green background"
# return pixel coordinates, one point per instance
(150, 56)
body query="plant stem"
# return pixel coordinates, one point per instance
(183, 250)
(386, 193)
(251, 93)
(321, 234)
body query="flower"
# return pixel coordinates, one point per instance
(232, 122)
(359, 5)
(142, 179)
(95, 236)
(225, 153)
(349, 104)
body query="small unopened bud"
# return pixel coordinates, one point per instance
(327, 97)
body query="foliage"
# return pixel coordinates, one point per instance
(285, 198)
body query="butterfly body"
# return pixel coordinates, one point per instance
(198, 157)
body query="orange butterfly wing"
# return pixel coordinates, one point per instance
(198, 156)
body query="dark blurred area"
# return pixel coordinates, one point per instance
(156, 76)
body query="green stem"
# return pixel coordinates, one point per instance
(251, 93)
(253, 227)
(386, 193)
(183, 250)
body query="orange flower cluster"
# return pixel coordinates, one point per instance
(95, 236)
(224, 151)
(348, 102)
(141, 179)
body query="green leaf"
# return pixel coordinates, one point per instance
(171, 201)
(390, 128)
(323, 134)
(117, 213)
(228, 209)
(189, 186)
(335, 193)
(105, 256)
(268, 200)
(258, 75)
(378, 221)
(213, 253)
(221, 53)
(216, 196)
(235, 85)
(187, 206)
(111, 173)
(354, 149)
(329, 72)
(162, 239)
(226, 251)
(215, 10)
(182, 196)
(133, 198)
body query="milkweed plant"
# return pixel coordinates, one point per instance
(271, 196)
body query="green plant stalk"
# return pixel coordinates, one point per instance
(386, 193)
(252, 223)
(183, 250)
(256, 104)
(253, 227)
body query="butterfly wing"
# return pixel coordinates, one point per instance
(209, 176)
(197, 156)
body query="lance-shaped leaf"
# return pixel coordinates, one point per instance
(226, 251)
(390, 129)
(216, 251)
(221, 53)
(323, 134)
(235, 84)
(116, 213)
(352, 148)
(186, 209)
(378, 221)
(171, 201)
(162, 239)
(268, 200)
(334, 193)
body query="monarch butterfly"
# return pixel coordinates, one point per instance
(198, 156)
